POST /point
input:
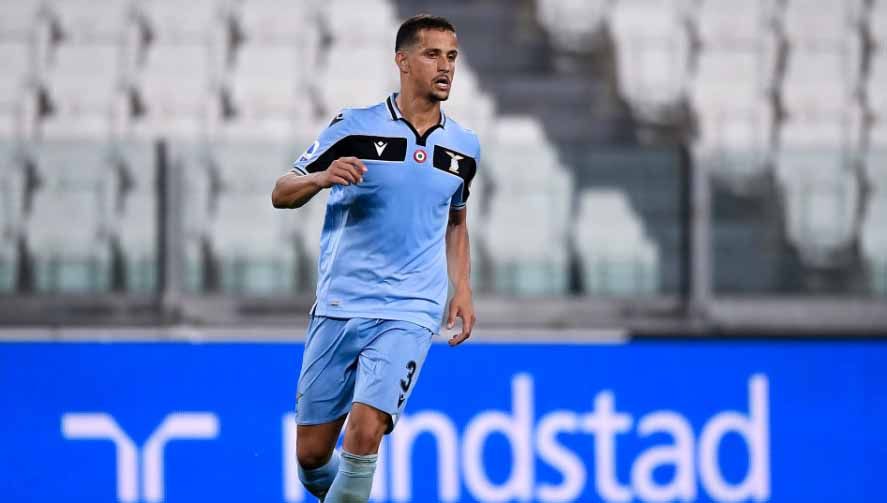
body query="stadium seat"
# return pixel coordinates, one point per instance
(267, 85)
(653, 55)
(877, 19)
(280, 22)
(310, 220)
(573, 26)
(87, 91)
(734, 144)
(254, 244)
(17, 90)
(25, 21)
(815, 78)
(876, 89)
(821, 21)
(186, 23)
(357, 77)
(616, 257)
(873, 243)
(95, 21)
(369, 23)
(529, 210)
(67, 230)
(179, 91)
(821, 199)
(727, 24)
(12, 192)
(135, 223)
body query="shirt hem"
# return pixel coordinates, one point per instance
(422, 321)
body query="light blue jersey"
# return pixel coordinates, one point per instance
(383, 253)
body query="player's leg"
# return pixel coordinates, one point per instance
(318, 459)
(387, 372)
(323, 398)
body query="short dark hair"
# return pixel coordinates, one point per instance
(408, 33)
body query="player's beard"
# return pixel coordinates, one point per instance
(436, 96)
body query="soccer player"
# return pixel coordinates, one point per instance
(399, 174)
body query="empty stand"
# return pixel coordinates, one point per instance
(616, 256)
(574, 26)
(68, 224)
(653, 54)
(254, 245)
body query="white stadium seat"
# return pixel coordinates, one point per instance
(357, 77)
(529, 211)
(653, 55)
(179, 90)
(254, 243)
(269, 84)
(573, 26)
(68, 226)
(87, 91)
(17, 89)
(369, 23)
(821, 21)
(877, 19)
(821, 203)
(873, 242)
(191, 22)
(616, 256)
(135, 221)
(12, 192)
(96, 21)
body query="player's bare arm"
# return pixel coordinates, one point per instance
(293, 190)
(459, 269)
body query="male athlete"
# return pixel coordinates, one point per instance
(399, 174)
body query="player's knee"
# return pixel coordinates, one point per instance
(364, 437)
(311, 458)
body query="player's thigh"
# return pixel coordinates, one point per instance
(315, 443)
(326, 381)
(390, 365)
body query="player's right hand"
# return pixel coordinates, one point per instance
(343, 171)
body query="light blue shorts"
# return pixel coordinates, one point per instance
(370, 361)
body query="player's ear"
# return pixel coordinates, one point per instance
(403, 63)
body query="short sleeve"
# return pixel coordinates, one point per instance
(319, 155)
(460, 198)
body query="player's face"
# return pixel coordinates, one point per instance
(432, 63)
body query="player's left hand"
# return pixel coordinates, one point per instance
(461, 306)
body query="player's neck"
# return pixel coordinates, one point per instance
(422, 113)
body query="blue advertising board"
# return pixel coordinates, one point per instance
(645, 421)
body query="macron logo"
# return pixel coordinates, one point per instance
(380, 147)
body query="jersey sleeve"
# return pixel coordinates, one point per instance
(460, 198)
(319, 155)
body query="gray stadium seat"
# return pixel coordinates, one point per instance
(68, 226)
(616, 256)
(877, 19)
(280, 22)
(653, 55)
(254, 244)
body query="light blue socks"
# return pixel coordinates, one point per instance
(354, 482)
(318, 480)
